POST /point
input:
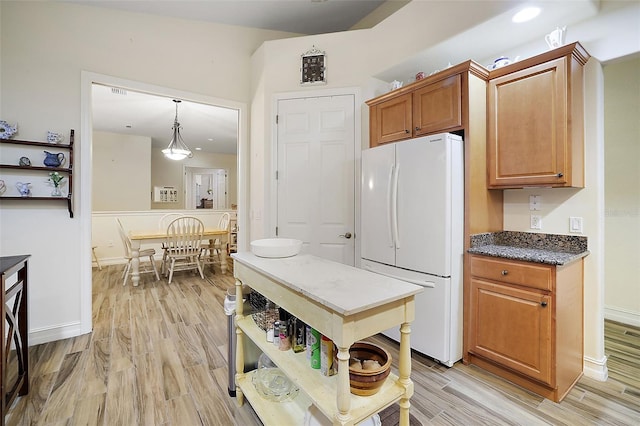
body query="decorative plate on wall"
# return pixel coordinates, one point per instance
(314, 67)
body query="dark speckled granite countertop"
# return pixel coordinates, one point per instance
(551, 249)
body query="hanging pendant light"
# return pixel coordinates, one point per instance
(177, 149)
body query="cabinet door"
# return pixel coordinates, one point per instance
(436, 107)
(391, 120)
(512, 327)
(528, 139)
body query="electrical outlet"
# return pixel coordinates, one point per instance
(575, 225)
(536, 221)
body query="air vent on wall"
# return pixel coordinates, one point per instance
(118, 91)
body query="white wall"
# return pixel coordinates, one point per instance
(622, 190)
(121, 172)
(45, 47)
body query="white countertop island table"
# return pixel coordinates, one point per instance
(342, 302)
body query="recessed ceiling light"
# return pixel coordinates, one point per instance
(210, 139)
(198, 148)
(526, 14)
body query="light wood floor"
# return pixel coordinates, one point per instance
(157, 356)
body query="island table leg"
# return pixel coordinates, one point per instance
(239, 340)
(404, 369)
(344, 391)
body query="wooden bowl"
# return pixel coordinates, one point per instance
(368, 382)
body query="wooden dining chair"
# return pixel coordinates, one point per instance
(183, 241)
(211, 253)
(162, 226)
(144, 253)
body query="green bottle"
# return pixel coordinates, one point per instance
(315, 349)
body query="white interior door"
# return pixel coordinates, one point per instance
(316, 178)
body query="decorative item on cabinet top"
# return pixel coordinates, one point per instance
(15, 174)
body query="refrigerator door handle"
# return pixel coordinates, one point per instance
(421, 283)
(390, 205)
(394, 206)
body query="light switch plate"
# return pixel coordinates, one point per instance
(535, 202)
(575, 225)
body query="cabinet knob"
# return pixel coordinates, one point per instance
(504, 272)
(560, 175)
(417, 129)
(543, 304)
(407, 131)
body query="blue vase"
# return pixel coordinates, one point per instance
(53, 160)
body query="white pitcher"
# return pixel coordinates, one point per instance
(556, 37)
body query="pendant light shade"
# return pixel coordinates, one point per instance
(177, 149)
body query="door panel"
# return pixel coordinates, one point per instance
(315, 188)
(513, 327)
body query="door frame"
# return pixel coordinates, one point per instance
(272, 220)
(190, 171)
(84, 148)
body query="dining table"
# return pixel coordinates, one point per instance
(139, 237)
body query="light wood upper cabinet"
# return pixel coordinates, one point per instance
(436, 107)
(525, 323)
(391, 120)
(535, 121)
(425, 107)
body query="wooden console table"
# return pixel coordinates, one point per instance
(14, 329)
(344, 303)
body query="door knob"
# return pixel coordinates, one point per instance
(346, 235)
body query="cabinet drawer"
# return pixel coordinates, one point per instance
(527, 274)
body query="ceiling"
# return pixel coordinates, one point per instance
(295, 16)
(203, 127)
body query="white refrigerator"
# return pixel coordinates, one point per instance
(412, 220)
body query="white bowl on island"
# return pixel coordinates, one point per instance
(276, 247)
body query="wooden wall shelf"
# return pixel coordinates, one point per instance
(67, 170)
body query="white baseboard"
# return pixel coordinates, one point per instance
(596, 369)
(58, 332)
(622, 315)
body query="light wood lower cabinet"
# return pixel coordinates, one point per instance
(525, 323)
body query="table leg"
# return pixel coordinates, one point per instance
(223, 254)
(239, 342)
(404, 369)
(344, 391)
(135, 262)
